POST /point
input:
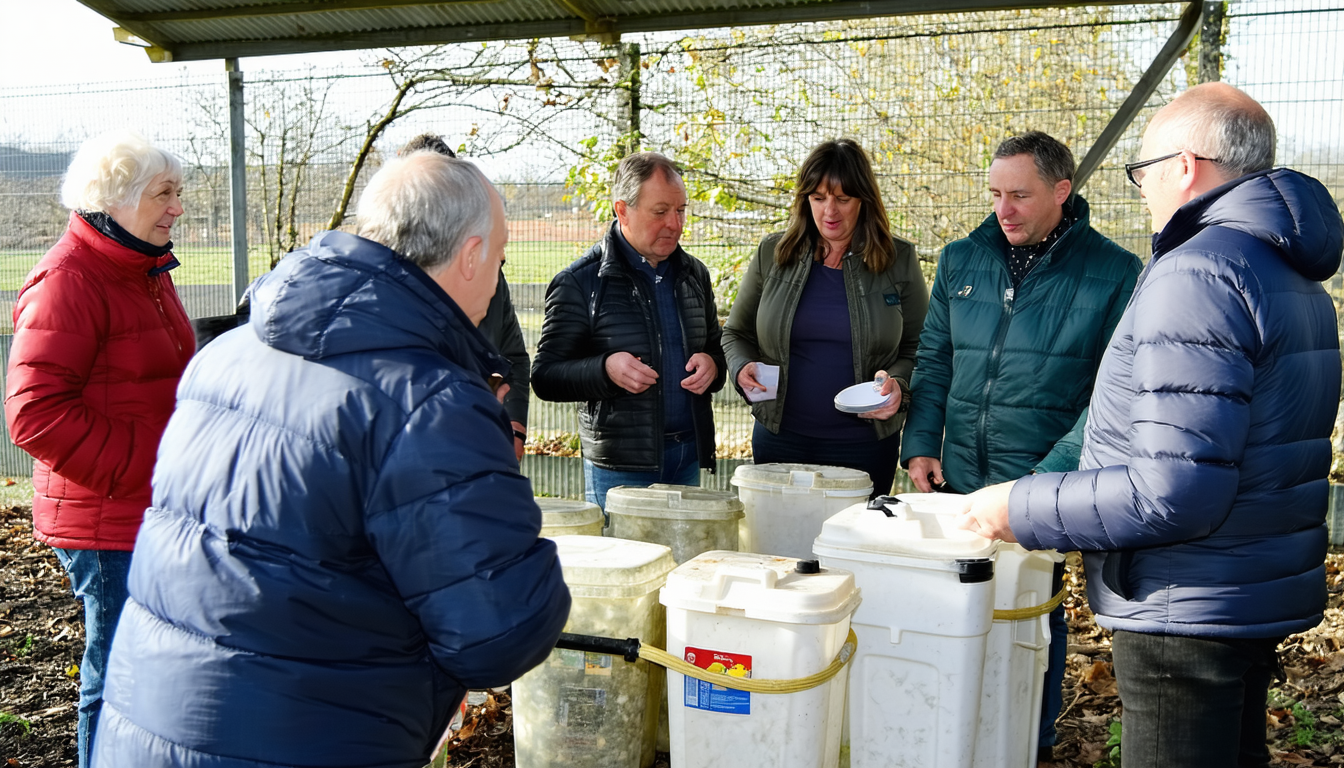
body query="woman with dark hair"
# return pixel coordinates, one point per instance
(833, 301)
(100, 341)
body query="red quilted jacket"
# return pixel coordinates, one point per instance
(99, 346)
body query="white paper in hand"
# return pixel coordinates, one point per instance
(768, 376)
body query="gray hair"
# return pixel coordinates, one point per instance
(426, 206)
(636, 169)
(112, 170)
(1054, 161)
(1223, 124)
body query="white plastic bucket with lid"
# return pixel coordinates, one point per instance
(686, 518)
(568, 517)
(784, 505)
(587, 709)
(923, 629)
(1015, 660)
(748, 615)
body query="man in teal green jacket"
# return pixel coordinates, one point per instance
(1020, 314)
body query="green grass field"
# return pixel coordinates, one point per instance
(528, 261)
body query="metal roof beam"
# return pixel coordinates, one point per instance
(576, 26)
(284, 9)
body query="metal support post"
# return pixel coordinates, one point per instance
(237, 179)
(1143, 90)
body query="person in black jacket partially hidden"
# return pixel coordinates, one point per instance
(631, 334)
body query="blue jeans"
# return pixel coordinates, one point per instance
(876, 457)
(98, 577)
(680, 467)
(1193, 701)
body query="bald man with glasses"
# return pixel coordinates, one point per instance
(1200, 498)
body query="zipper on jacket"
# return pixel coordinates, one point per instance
(991, 373)
(647, 308)
(157, 293)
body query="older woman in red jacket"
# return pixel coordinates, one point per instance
(100, 341)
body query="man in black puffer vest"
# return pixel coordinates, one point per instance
(631, 334)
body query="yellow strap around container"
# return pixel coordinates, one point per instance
(664, 659)
(1017, 614)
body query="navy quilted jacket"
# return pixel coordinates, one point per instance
(1201, 495)
(340, 543)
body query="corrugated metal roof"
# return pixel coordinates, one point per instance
(185, 30)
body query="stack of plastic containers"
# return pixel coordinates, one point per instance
(755, 616)
(567, 517)
(686, 518)
(1015, 660)
(923, 629)
(587, 709)
(784, 505)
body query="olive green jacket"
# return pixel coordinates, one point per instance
(886, 313)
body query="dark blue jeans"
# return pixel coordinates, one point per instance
(1052, 696)
(1193, 701)
(680, 467)
(876, 457)
(98, 577)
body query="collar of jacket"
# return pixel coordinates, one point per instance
(990, 235)
(1283, 208)
(123, 257)
(343, 293)
(614, 262)
(489, 359)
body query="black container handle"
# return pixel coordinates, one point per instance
(627, 649)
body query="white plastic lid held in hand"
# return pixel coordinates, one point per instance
(595, 566)
(760, 587)
(680, 502)
(862, 398)
(803, 478)
(921, 525)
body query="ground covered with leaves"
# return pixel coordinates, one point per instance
(42, 639)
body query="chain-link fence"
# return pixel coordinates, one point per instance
(930, 97)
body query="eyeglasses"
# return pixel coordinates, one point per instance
(1134, 171)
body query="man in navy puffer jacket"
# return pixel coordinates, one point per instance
(340, 544)
(1200, 498)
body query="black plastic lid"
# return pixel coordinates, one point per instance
(975, 571)
(807, 566)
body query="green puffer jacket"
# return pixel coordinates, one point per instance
(1008, 374)
(885, 321)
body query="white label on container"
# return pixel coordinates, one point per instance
(581, 708)
(716, 698)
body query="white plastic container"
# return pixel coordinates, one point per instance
(1015, 660)
(568, 517)
(686, 518)
(923, 629)
(586, 709)
(785, 504)
(747, 615)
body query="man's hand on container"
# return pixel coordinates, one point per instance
(703, 370)
(986, 512)
(627, 372)
(926, 472)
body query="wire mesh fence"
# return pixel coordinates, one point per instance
(930, 97)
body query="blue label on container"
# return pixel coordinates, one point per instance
(716, 698)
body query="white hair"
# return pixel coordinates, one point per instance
(1217, 121)
(426, 206)
(112, 171)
